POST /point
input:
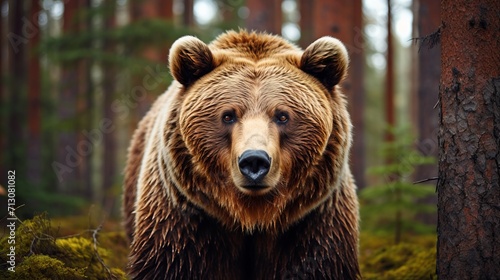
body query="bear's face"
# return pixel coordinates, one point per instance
(265, 138)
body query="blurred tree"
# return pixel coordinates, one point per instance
(342, 19)
(469, 141)
(306, 22)
(265, 15)
(110, 147)
(389, 77)
(68, 160)
(229, 17)
(426, 84)
(188, 16)
(149, 10)
(15, 112)
(34, 160)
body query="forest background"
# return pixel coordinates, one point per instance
(78, 75)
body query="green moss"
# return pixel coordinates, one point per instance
(42, 255)
(45, 268)
(79, 252)
(118, 243)
(32, 236)
(421, 266)
(401, 261)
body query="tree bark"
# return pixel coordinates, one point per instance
(469, 141)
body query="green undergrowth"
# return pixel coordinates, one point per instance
(413, 258)
(41, 252)
(70, 248)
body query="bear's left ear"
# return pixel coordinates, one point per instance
(327, 60)
(189, 60)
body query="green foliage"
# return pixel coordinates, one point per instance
(393, 205)
(42, 255)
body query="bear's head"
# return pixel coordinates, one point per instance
(261, 132)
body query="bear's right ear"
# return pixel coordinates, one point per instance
(189, 60)
(327, 60)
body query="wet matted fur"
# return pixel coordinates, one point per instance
(189, 210)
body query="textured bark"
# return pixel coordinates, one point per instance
(342, 19)
(3, 97)
(265, 15)
(469, 141)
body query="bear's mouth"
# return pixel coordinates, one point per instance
(255, 189)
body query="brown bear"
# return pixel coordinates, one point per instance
(240, 170)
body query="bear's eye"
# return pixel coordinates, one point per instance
(281, 118)
(229, 117)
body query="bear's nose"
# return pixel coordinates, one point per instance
(254, 165)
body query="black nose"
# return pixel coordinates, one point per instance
(254, 165)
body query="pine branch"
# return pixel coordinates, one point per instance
(430, 40)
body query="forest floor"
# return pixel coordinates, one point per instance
(80, 248)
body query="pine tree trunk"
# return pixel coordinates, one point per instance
(469, 141)
(357, 95)
(188, 16)
(34, 160)
(265, 15)
(67, 153)
(109, 90)
(16, 88)
(426, 95)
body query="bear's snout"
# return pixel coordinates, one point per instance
(254, 165)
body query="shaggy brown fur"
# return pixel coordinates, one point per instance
(190, 212)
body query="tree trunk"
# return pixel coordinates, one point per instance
(34, 160)
(306, 22)
(109, 90)
(357, 95)
(427, 86)
(469, 141)
(3, 119)
(265, 15)
(16, 89)
(389, 77)
(188, 16)
(68, 158)
(84, 102)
